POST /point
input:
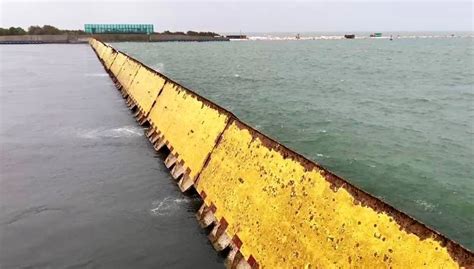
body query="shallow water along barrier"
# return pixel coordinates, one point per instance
(266, 205)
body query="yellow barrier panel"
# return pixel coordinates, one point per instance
(273, 207)
(127, 73)
(118, 63)
(100, 49)
(284, 211)
(106, 53)
(145, 88)
(97, 48)
(103, 51)
(189, 126)
(110, 59)
(93, 43)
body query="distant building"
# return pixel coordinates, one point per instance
(118, 28)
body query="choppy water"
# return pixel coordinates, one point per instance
(393, 117)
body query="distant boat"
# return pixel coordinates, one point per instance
(351, 36)
(376, 35)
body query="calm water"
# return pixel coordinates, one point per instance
(393, 117)
(80, 186)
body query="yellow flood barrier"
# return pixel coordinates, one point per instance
(118, 63)
(108, 57)
(282, 210)
(190, 126)
(145, 88)
(186, 123)
(126, 74)
(105, 53)
(102, 51)
(93, 43)
(271, 206)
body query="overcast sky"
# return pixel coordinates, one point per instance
(246, 16)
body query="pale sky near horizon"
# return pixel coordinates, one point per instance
(246, 16)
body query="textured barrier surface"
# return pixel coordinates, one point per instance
(189, 126)
(145, 88)
(109, 57)
(269, 206)
(127, 73)
(117, 64)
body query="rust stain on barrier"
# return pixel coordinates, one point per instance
(243, 174)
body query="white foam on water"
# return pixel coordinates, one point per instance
(160, 67)
(425, 205)
(125, 131)
(168, 205)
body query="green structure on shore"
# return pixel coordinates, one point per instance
(118, 28)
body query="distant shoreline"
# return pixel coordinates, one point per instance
(84, 38)
(358, 37)
(161, 37)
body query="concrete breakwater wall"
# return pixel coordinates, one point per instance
(266, 204)
(40, 39)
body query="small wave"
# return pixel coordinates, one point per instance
(168, 205)
(30, 212)
(126, 131)
(242, 78)
(160, 67)
(425, 205)
(422, 100)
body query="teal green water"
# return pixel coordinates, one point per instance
(393, 117)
